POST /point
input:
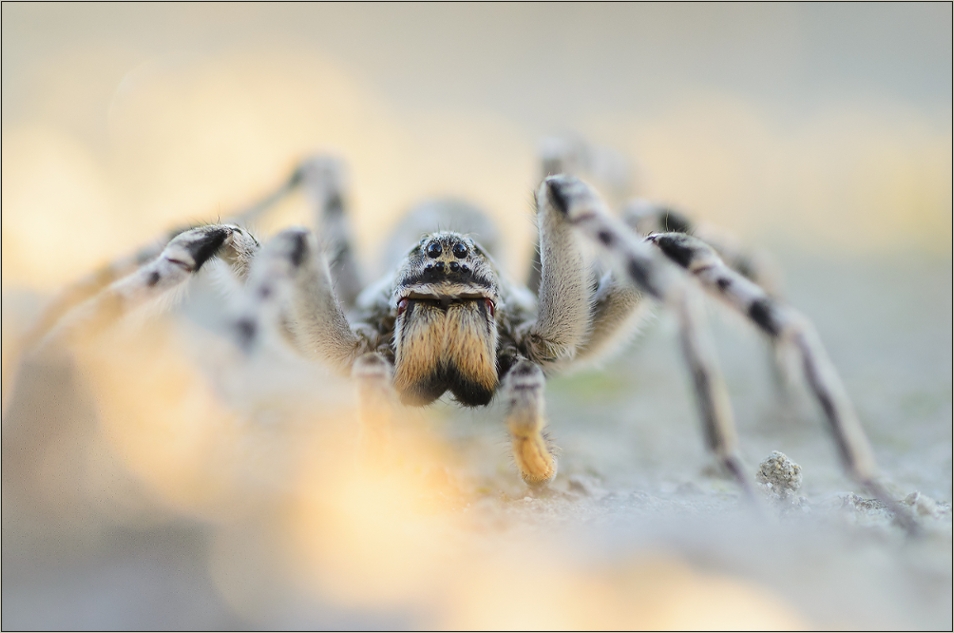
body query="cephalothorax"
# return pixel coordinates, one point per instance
(444, 319)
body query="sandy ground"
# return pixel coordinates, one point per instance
(122, 511)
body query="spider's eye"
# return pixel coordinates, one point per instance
(434, 249)
(401, 306)
(460, 251)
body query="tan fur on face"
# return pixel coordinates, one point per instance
(470, 343)
(429, 340)
(419, 345)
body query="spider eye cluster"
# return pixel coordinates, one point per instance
(435, 249)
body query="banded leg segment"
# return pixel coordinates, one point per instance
(647, 218)
(785, 325)
(646, 271)
(87, 287)
(523, 392)
(574, 156)
(325, 182)
(617, 310)
(782, 323)
(179, 260)
(290, 288)
(562, 320)
(90, 285)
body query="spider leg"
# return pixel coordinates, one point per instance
(570, 154)
(376, 400)
(95, 282)
(617, 310)
(787, 326)
(175, 264)
(324, 179)
(88, 286)
(290, 287)
(647, 218)
(523, 393)
(579, 205)
(562, 322)
(557, 156)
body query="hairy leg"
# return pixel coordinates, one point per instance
(324, 179)
(785, 325)
(562, 321)
(376, 402)
(647, 218)
(646, 271)
(179, 260)
(290, 288)
(618, 308)
(523, 393)
(574, 156)
(88, 286)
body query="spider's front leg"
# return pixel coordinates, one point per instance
(90, 285)
(290, 288)
(580, 209)
(523, 393)
(325, 180)
(182, 257)
(562, 323)
(560, 329)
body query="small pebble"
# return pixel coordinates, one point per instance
(779, 475)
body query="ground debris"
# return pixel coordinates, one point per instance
(922, 504)
(862, 504)
(860, 510)
(586, 486)
(779, 476)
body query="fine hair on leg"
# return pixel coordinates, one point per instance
(290, 288)
(89, 285)
(376, 402)
(789, 327)
(581, 209)
(523, 393)
(325, 180)
(179, 260)
(562, 322)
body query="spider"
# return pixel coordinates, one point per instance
(447, 320)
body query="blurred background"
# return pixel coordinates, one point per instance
(161, 482)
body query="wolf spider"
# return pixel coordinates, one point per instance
(447, 320)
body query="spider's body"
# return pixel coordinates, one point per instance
(445, 318)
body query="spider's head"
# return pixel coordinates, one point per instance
(445, 302)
